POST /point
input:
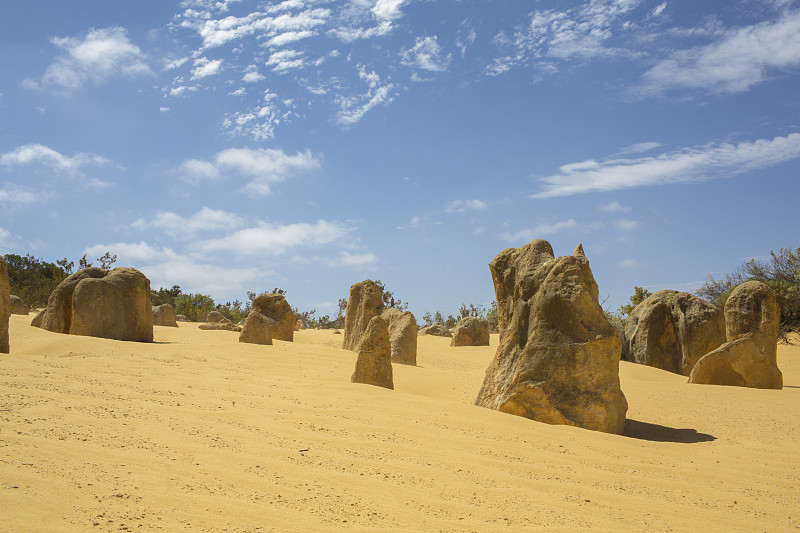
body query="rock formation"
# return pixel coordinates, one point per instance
(275, 307)
(749, 358)
(402, 335)
(438, 330)
(224, 326)
(257, 329)
(374, 363)
(363, 305)
(5, 305)
(216, 316)
(18, 306)
(471, 331)
(558, 357)
(164, 315)
(111, 304)
(182, 318)
(672, 330)
(300, 325)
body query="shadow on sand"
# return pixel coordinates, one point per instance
(658, 433)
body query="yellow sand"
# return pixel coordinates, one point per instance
(198, 432)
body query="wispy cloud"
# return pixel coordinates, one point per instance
(352, 109)
(640, 148)
(262, 167)
(626, 224)
(738, 60)
(542, 230)
(165, 267)
(459, 206)
(258, 123)
(96, 57)
(691, 164)
(272, 239)
(426, 54)
(285, 60)
(579, 33)
(630, 263)
(31, 154)
(205, 220)
(614, 207)
(16, 195)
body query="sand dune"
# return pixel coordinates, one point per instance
(198, 432)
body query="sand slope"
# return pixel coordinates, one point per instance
(197, 432)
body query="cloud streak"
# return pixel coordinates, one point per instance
(691, 164)
(740, 59)
(542, 230)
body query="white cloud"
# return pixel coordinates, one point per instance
(630, 263)
(262, 166)
(194, 171)
(640, 148)
(283, 39)
(738, 60)
(204, 67)
(691, 164)
(658, 10)
(614, 207)
(127, 251)
(348, 259)
(164, 268)
(218, 32)
(101, 54)
(172, 64)
(459, 206)
(387, 9)
(466, 41)
(205, 220)
(272, 240)
(361, 13)
(577, 33)
(626, 224)
(16, 195)
(178, 91)
(284, 60)
(251, 75)
(426, 54)
(37, 154)
(542, 230)
(352, 109)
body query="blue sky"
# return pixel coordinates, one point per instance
(233, 145)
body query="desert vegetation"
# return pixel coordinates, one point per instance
(478, 311)
(33, 279)
(781, 273)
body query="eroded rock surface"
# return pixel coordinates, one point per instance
(374, 363)
(402, 335)
(471, 331)
(672, 330)
(257, 329)
(111, 304)
(558, 357)
(363, 305)
(164, 315)
(749, 358)
(275, 307)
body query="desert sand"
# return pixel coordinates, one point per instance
(198, 432)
